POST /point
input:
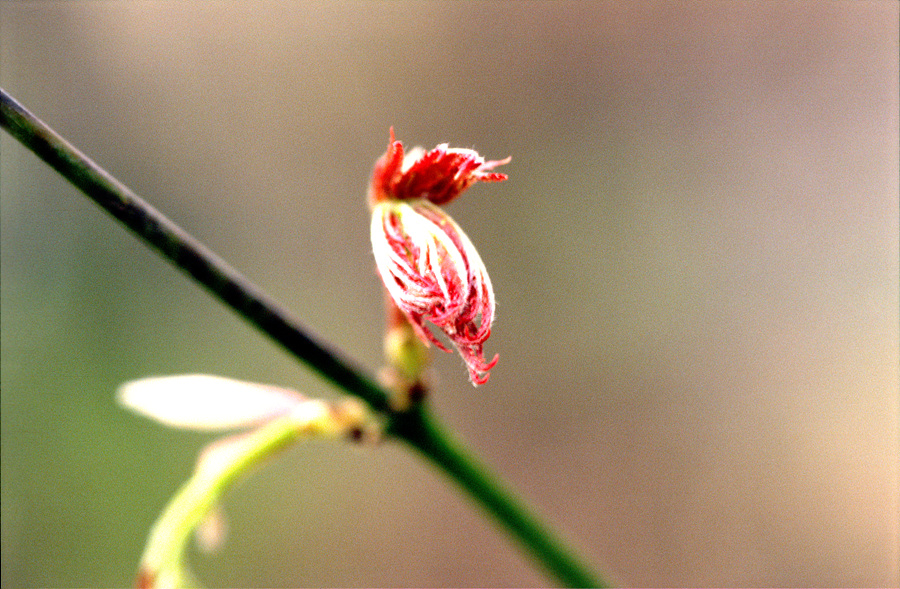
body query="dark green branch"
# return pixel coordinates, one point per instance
(417, 427)
(184, 251)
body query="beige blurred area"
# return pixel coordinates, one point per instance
(695, 259)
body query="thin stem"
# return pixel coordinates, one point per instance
(184, 251)
(417, 427)
(162, 563)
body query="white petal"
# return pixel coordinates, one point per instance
(204, 402)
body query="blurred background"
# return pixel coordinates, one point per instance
(695, 259)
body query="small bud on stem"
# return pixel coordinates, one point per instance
(429, 267)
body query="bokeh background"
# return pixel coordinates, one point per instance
(695, 257)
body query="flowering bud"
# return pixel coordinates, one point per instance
(430, 268)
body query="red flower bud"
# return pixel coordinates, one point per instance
(430, 268)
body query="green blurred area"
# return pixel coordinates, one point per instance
(695, 260)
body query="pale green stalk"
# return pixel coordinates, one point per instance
(162, 564)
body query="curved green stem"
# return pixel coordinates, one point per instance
(162, 564)
(417, 427)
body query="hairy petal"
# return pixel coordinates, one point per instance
(434, 274)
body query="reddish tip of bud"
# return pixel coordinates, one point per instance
(439, 175)
(145, 579)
